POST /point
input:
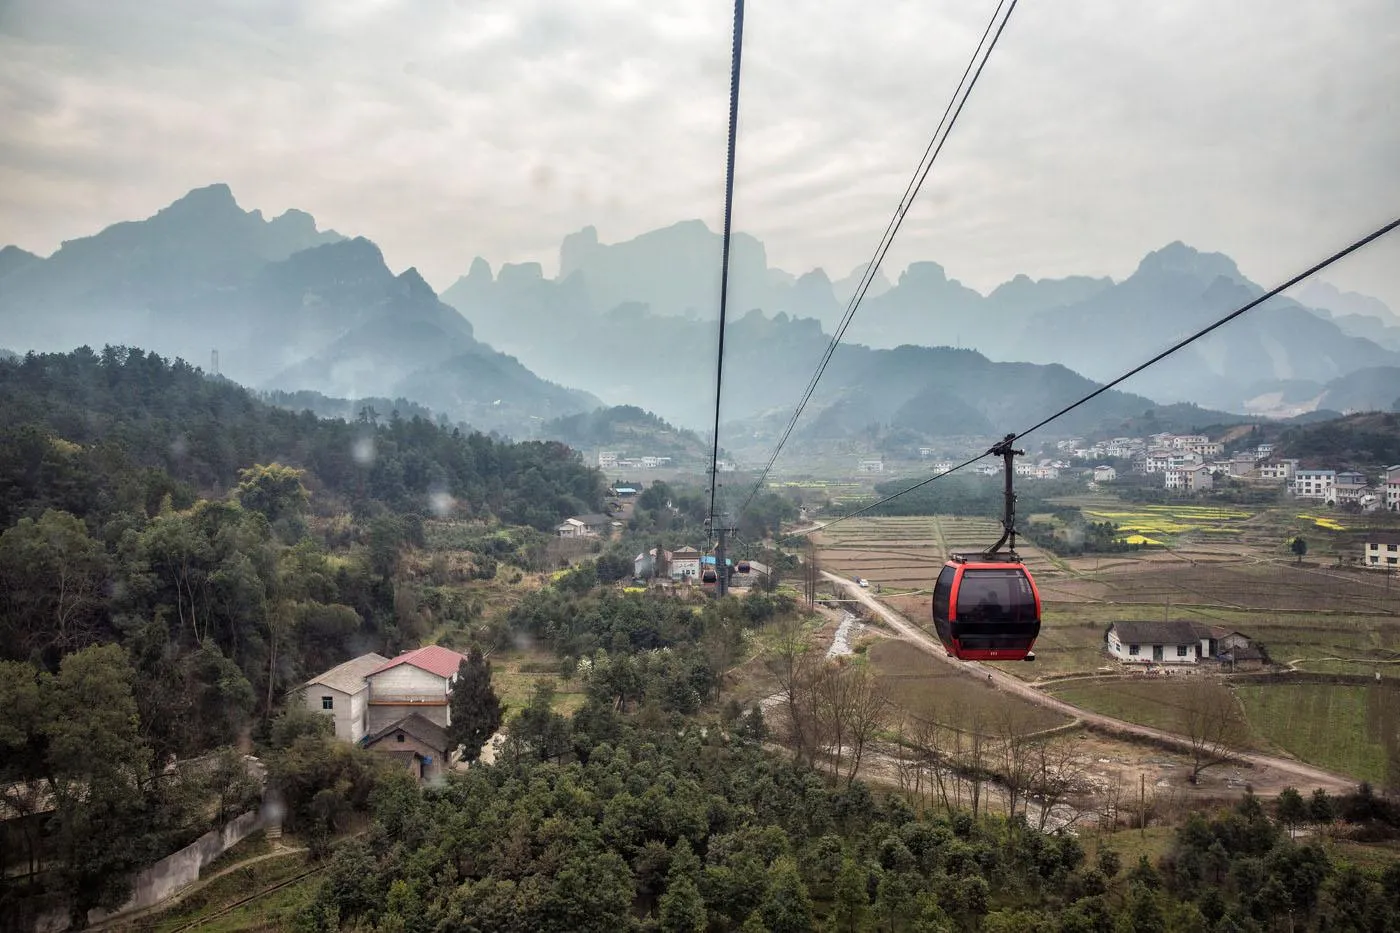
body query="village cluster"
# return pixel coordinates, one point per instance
(1194, 463)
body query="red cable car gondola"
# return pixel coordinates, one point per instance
(986, 606)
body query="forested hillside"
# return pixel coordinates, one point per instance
(99, 433)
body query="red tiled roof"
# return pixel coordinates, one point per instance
(434, 659)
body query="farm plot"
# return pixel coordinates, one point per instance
(1160, 703)
(1344, 728)
(929, 690)
(904, 554)
(1167, 524)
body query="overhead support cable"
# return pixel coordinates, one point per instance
(724, 261)
(951, 112)
(1179, 345)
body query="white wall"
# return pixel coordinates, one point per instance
(348, 714)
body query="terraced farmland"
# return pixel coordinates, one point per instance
(904, 554)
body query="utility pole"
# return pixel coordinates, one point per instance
(1142, 805)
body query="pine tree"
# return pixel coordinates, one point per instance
(476, 710)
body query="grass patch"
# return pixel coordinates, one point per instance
(1156, 703)
(271, 913)
(253, 845)
(1336, 727)
(928, 689)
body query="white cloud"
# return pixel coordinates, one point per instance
(1101, 130)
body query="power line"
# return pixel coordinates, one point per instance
(1271, 293)
(935, 145)
(724, 262)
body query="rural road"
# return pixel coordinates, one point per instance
(1306, 774)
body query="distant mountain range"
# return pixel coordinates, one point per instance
(1093, 326)
(287, 306)
(294, 308)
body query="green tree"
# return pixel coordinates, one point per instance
(52, 576)
(1299, 547)
(682, 908)
(1291, 808)
(851, 897)
(476, 711)
(99, 767)
(786, 907)
(273, 490)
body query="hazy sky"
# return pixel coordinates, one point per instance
(1267, 129)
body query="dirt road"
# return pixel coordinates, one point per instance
(1304, 776)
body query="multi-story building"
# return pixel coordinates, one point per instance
(1392, 488)
(1348, 488)
(1313, 484)
(1193, 478)
(1284, 470)
(1382, 550)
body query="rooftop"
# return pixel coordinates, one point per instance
(350, 676)
(434, 659)
(418, 726)
(1173, 632)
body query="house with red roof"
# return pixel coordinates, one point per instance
(416, 682)
(372, 696)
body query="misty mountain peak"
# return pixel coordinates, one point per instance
(923, 273)
(480, 271)
(1179, 258)
(211, 199)
(577, 250)
(518, 272)
(414, 285)
(12, 257)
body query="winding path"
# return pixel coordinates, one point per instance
(1304, 773)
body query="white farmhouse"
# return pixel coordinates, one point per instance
(343, 694)
(1105, 474)
(1382, 550)
(1313, 484)
(685, 564)
(871, 466)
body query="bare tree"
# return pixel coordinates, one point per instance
(866, 712)
(1057, 777)
(1210, 721)
(793, 665)
(1014, 755)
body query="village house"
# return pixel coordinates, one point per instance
(415, 741)
(685, 564)
(1348, 488)
(1179, 641)
(645, 565)
(1313, 484)
(1381, 549)
(1284, 470)
(418, 681)
(398, 706)
(1189, 479)
(1105, 474)
(871, 466)
(607, 459)
(585, 526)
(1392, 488)
(342, 694)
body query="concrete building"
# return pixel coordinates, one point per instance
(1313, 484)
(418, 681)
(415, 741)
(1381, 550)
(342, 693)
